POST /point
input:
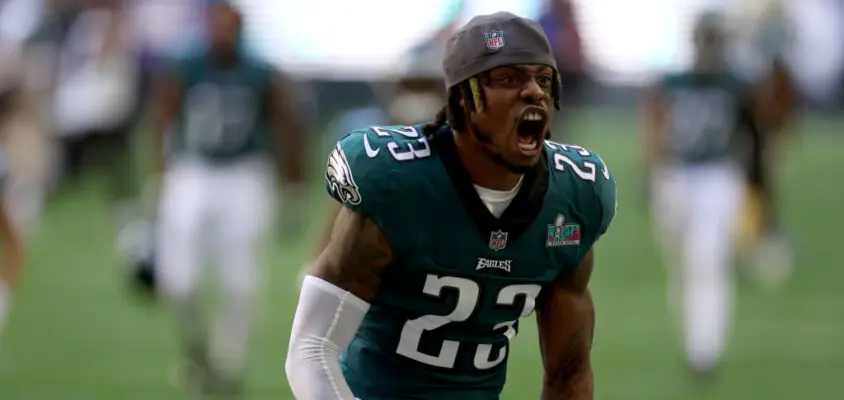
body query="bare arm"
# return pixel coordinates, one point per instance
(12, 250)
(333, 303)
(164, 107)
(356, 255)
(656, 127)
(290, 130)
(566, 323)
(325, 233)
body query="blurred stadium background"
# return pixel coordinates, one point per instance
(75, 331)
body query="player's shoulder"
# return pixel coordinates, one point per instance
(369, 161)
(179, 65)
(394, 147)
(734, 82)
(673, 79)
(584, 180)
(192, 58)
(571, 161)
(258, 65)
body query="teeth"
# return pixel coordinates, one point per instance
(528, 146)
(532, 117)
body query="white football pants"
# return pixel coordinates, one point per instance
(215, 215)
(29, 158)
(696, 209)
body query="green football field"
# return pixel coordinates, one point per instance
(75, 333)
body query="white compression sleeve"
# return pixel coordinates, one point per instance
(326, 321)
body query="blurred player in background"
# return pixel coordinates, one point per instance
(693, 147)
(217, 192)
(94, 98)
(417, 84)
(765, 244)
(28, 157)
(562, 26)
(11, 261)
(452, 231)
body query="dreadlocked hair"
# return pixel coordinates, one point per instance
(470, 93)
(452, 112)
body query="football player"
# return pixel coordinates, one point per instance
(231, 117)
(450, 232)
(692, 152)
(763, 237)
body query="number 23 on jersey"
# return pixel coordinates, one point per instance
(468, 296)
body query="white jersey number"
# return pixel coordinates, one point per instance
(468, 294)
(218, 116)
(587, 172)
(411, 152)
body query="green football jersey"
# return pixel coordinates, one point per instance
(224, 110)
(442, 321)
(704, 115)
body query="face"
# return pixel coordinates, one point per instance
(225, 26)
(710, 47)
(517, 109)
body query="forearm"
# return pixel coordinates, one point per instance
(579, 386)
(655, 129)
(165, 108)
(326, 321)
(291, 150)
(569, 376)
(9, 271)
(567, 347)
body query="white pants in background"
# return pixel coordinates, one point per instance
(215, 215)
(29, 159)
(696, 210)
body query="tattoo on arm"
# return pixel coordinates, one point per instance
(566, 328)
(356, 256)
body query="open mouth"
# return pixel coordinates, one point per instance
(530, 129)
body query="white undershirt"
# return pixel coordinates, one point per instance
(498, 200)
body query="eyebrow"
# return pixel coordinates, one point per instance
(529, 68)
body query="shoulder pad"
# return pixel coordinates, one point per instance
(360, 165)
(390, 144)
(575, 160)
(581, 165)
(368, 171)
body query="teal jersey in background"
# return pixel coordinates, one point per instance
(224, 113)
(704, 115)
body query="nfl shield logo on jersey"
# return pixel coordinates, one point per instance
(498, 240)
(494, 40)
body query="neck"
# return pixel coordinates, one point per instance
(482, 169)
(704, 65)
(223, 57)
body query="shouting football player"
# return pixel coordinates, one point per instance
(450, 232)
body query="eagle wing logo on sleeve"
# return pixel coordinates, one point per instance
(338, 173)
